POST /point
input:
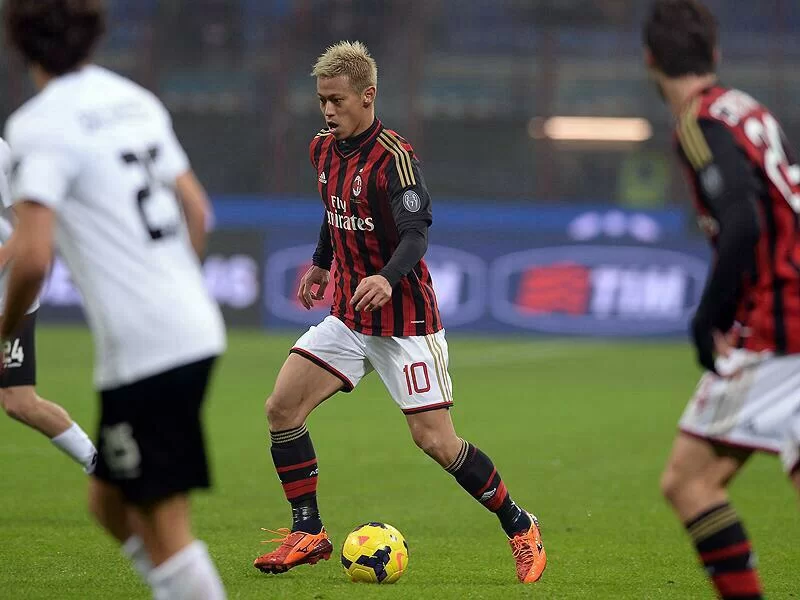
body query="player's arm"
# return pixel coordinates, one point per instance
(318, 273)
(323, 254)
(45, 168)
(725, 182)
(411, 208)
(175, 171)
(33, 250)
(196, 209)
(6, 227)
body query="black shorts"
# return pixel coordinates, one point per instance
(151, 438)
(19, 355)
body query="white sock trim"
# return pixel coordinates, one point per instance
(76, 444)
(176, 562)
(134, 550)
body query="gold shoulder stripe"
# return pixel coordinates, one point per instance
(402, 159)
(691, 137)
(394, 140)
(398, 161)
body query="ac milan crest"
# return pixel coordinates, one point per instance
(357, 185)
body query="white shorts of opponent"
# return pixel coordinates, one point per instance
(754, 403)
(413, 368)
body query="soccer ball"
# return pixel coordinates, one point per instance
(375, 553)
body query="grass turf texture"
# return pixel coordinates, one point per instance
(578, 430)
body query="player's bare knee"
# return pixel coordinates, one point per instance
(672, 484)
(679, 486)
(282, 412)
(430, 442)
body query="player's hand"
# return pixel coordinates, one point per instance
(722, 346)
(372, 293)
(315, 276)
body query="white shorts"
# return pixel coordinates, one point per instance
(413, 368)
(758, 408)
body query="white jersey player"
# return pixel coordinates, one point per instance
(98, 172)
(18, 395)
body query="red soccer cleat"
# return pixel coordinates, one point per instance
(529, 553)
(297, 548)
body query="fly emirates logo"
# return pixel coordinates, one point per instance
(338, 217)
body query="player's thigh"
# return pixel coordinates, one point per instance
(752, 410)
(414, 370)
(328, 358)
(19, 356)
(300, 387)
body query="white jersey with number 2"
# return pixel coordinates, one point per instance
(100, 152)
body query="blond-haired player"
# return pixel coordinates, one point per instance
(384, 318)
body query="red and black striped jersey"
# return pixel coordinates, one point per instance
(725, 138)
(372, 189)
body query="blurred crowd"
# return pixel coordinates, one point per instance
(461, 79)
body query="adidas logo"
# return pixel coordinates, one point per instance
(322, 178)
(488, 495)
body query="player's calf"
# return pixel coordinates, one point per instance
(694, 483)
(22, 404)
(434, 433)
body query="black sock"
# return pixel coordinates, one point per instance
(475, 472)
(296, 464)
(726, 554)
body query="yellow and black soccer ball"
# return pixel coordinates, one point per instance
(375, 553)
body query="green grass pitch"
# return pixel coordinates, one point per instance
(578, 430)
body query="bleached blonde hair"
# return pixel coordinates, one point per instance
(351, 59)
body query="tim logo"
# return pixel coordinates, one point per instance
(600, 290)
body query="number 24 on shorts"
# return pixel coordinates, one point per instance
(417, 379)
(13, 353)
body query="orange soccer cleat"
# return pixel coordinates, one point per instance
(297, 548)
(529, 553)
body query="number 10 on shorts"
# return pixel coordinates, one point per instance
(417, 380)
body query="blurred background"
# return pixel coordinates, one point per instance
(478, 87)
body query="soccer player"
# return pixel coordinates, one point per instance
(747, 327)
(18, 395)
(384, 316)
(98, 171)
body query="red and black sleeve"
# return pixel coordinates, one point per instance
(411, 209)
(726, 185)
